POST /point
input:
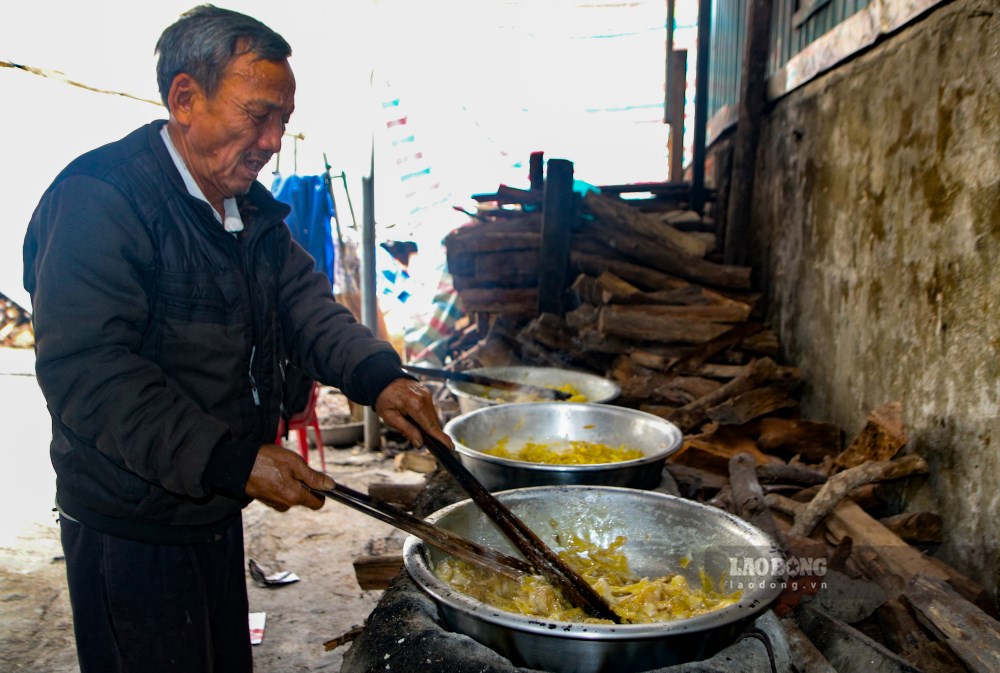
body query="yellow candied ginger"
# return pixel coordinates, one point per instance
(510, 396)
(637, 600)
(574, 452)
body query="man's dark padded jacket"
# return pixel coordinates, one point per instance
(161, 340)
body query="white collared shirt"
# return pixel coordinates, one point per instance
(232, 223)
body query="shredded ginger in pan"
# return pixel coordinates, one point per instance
(520, 396)
(637, 600)
(575, 452)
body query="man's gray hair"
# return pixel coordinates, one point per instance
(205, 39)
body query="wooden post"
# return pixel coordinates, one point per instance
(668, 71)
(701, 106)
(753, 96)
(675, 104)
(536, 171)
(557, 225)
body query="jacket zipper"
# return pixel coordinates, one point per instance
(253, 381)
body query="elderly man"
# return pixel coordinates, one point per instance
(168, 299)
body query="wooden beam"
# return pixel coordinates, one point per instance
(969, 632)
(557, 228)
(753, 97)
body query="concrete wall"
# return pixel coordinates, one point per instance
(877, 235)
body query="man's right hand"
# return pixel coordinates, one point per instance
(280, 478)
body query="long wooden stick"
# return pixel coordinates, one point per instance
(576, 589)
(441, 538)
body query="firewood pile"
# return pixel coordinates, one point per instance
(649, 307)
(15, 325)
(862, 586)
(646, 307)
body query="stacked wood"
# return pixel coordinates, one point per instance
(923, 614)
(15, 325)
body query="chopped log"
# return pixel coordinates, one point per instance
(838, 486)
(584, 289)
(905, 637)
(721, 313)
(700, 354)
(682, 389)
(811, 439)
(614, 290)
(840, 557)
(971, 590)
(752, 404)
(868, 496)
(665, 364)
(418, 461)
(693, 480)
(376, 573)
(808, 659)
(690, 295)
(847, 648)
(789, 474)
(636, 322)
(639, 382)
(971, 634)
(691, 414)
(643, 276)
(582, 315)
(551, 331)
(346, 637)
(396, 493)
(763, 343)
(467, 244)
(515, 268)
(713, 450)
(748, 497)
(500, 300)
(780, 503)
(658, 256)
(616, 213)
(589, 338)
(920, 527)
(668, 484)
(724, 499)
(881, 554)
(675, 217)
(882, 437)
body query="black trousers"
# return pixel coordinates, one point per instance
(144, 608)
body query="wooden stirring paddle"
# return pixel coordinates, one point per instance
(576, 589)
(442, 538)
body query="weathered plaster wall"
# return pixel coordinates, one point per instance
(877, 220)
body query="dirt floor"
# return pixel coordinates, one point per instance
(36, 632)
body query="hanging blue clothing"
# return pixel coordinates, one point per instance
(309, 221)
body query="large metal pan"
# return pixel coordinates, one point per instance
(472, 396)
(559, 422)
(662, 532)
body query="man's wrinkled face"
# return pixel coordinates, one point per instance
(232, 135)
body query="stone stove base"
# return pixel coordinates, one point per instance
(405, 633)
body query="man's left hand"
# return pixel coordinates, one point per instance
(407, 406)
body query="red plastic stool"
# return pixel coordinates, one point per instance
(301, 422)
